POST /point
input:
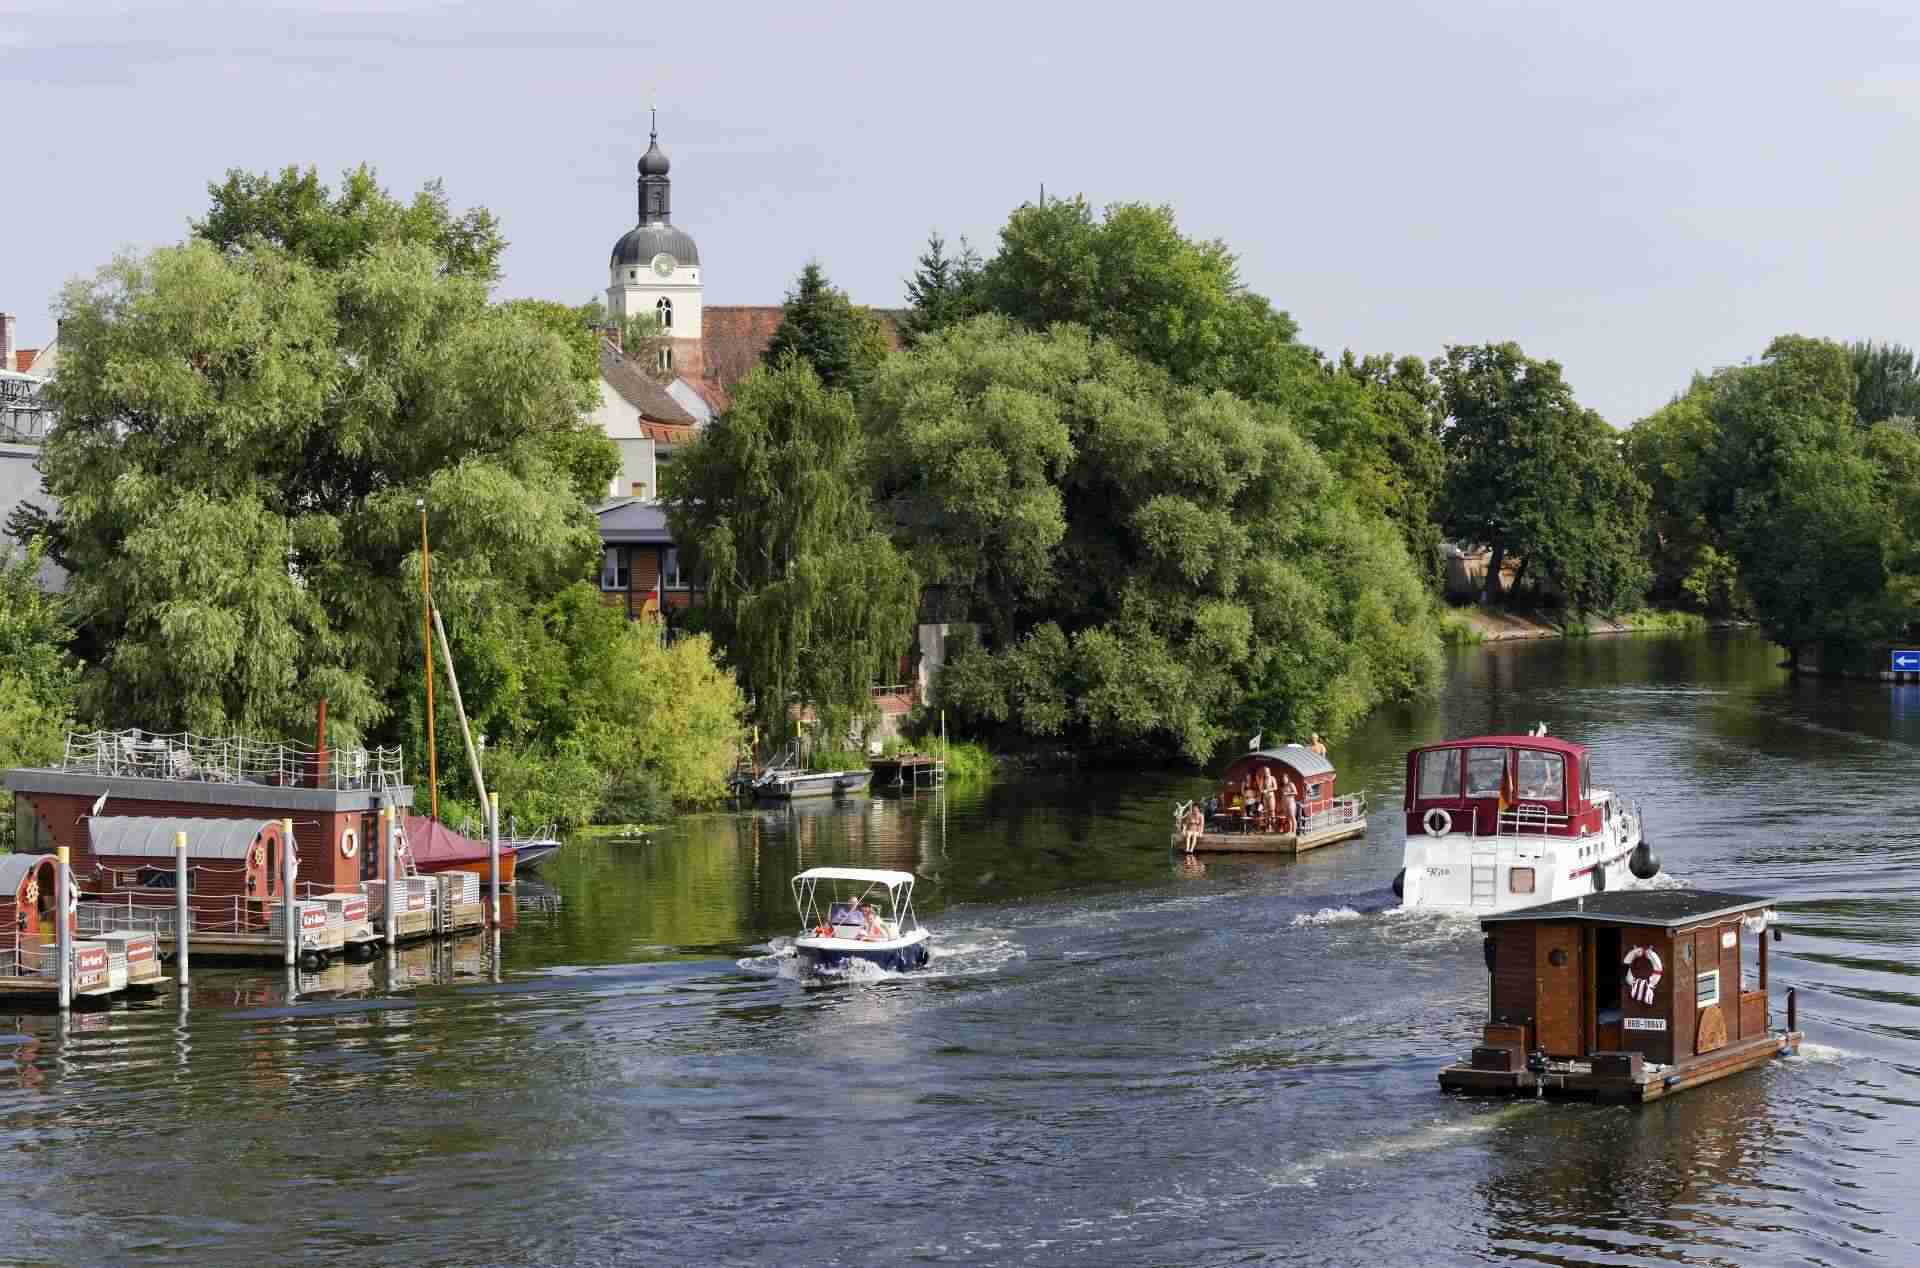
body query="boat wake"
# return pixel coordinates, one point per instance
(969, 954)
(1326, 916)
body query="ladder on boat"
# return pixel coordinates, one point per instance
(1483, 880)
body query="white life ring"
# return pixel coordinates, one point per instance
(1437, 822)
(349, 843)
(1642, 988)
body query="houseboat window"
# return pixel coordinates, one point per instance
(1519, 881)
(1706, 988)
(1542, 776)
(29, 835)
(613, 568)
(162, 878)
(1485, 766)
(1440, 773)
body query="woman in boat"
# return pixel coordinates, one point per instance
(876, 930)
(1192, 824)
(1293, 810)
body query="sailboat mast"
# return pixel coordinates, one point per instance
(426, 649)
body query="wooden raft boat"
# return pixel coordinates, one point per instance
(1237, 824)
(1625, 996)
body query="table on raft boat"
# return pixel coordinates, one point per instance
(1625, 996)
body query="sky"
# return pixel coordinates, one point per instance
(1635, 190)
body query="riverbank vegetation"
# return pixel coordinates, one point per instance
(38, 676)
(248, 422)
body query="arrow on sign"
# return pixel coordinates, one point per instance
(1906, 660)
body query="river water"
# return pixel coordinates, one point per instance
(1113, 1060)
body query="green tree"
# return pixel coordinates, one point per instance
(1132, 277)
(297, 212)
(37, 672)
(1533, 474)
(1673, 451)
(245, 431)
(1150, 565)
(807, 598)
(822, 327)
(1886, 382)
(943, 291)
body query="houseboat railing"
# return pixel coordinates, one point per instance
(229, 759)
(1337, 813)
(206, 913)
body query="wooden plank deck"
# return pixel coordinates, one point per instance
(1650, 1086)
(1271, 842)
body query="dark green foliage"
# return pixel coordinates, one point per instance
(38, 675)
(1531, 473)
(1151, 565)
(943, 291)
(1886, 382)
(806, 596)
(822, 327)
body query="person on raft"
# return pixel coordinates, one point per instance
(1192, 824)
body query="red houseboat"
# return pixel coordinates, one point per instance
(1499, 822)
(1240, 819)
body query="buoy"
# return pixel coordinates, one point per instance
(1643, 862)
(1400, 884)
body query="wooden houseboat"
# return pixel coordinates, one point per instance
(1499, 822)
(1236, 819)
(1625, 996)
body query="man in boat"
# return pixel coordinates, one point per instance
(1317, 744)
(1293, 810)
(1269, 793)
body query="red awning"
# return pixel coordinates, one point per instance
(434, 842)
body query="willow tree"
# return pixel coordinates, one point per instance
(247, 421)
(807, 598)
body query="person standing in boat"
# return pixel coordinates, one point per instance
(1269, 793)
(1317, 744)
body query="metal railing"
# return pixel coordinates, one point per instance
(112, 913)
(1337, 813)
(229, 759)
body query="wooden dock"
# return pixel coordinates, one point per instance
(907, 770)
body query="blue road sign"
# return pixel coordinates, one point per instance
(1906, 662)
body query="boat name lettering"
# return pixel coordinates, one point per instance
(1645, 1023)
(1439, 871)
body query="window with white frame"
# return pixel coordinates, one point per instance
(664, 311)
(666, 360)
(670, 577)
(613, 568)
(1706, 988)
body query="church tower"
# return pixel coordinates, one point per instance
(656, 268)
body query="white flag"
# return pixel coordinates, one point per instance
(1254, 743)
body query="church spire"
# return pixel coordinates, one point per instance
(656, 190)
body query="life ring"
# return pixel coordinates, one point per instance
(259, 855)
(1642, 988)
(1437, 822)
(349, 843)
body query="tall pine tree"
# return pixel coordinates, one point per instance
(822, 328)
(944, 291)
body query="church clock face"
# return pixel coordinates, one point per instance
(663, 264)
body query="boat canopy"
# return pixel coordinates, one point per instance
(865, 875)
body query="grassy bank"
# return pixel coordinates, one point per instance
(1462, 627)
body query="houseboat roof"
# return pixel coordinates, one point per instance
(144, 836)
(1656, 908)
(1298, 756)
(13, 869)
(1547, 743)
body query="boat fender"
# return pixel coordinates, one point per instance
(1437, 823)
(349, 843)
(1486, 951)
(1644, 863)
(1599, 878)
(1400, 883)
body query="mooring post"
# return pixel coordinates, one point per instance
(180, 919)
(287, 907)
(389, 866)
(63, 931)
(1793, 1009)
(493, 857)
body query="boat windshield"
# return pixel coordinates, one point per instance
(1542, 776)
(1485, 766)
(1440, 773)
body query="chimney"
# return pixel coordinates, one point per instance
(6, 341)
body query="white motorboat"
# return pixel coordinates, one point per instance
(857, 913)
(1499, 822)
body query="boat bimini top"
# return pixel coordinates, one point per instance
(860, 882)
